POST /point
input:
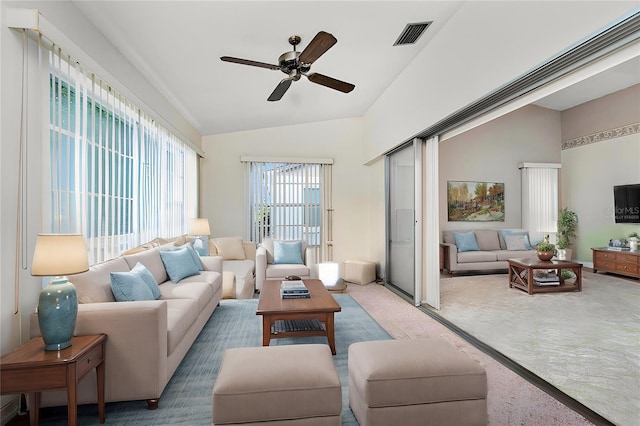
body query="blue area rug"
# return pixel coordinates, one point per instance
(187, 397)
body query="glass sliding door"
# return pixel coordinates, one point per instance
(401, 220)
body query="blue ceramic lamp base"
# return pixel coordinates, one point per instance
(57, 313)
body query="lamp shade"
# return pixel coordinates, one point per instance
(200, 226)
(59, 254)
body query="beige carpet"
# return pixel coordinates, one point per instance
(587, 343)
(511, 399)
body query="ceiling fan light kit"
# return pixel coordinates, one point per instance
(296, 64)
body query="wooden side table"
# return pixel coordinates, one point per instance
(30, 369)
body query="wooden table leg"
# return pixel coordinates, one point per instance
(331, 333)
(530, 280)
(34, 408)
(266, 330)
(100, 381)
(72, 396)
(579, 277)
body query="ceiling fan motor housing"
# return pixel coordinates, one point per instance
(289, 61)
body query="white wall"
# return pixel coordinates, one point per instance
(491, 153)
(222, 177)
(590, 171)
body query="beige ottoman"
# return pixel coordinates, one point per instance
(415, 382)
(281, 385)
(359, 271)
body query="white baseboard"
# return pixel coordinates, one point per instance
(9, 409)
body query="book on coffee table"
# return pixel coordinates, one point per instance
(293, 287)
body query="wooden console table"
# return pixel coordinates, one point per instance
(30, 369)
(521, 275)
(618, 262)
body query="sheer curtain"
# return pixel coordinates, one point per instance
(115, 175)
(539, 199)
(289, 200)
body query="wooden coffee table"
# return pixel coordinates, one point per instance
(521, 274)
(311, 316)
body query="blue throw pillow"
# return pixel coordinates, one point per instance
(287, 252)
(179, 264)
(466, 241)
(505, 233)
(195, 257)
(141, 271)
(129, 287)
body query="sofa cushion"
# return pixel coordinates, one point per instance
(181, 314)
(179, 264)
(477, 256)
(141, 271)
(516, 242)
(267, 243)
(487, 239)
(151, 260)
(129, 287)
(504, 232)
(281, 271)
(466, 241)
(514, 254)
(230, 248)
(94, 286)
(201, 292)
(287, 252)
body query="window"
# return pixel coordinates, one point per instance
(285, 200)
(539, 199)
(116, 176)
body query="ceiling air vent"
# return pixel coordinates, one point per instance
(412, 33)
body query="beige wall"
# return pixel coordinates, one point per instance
(590, 171)
(491, 153)
(222, 177)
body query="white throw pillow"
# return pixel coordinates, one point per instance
(230, 248)
(516, 242)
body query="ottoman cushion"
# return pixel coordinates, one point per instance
(359, 271)
(276, 383)
(420, 371)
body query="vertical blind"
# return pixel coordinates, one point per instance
(116, 176)
(286, 201)
(539, 199)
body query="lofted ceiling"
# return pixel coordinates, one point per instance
(177, 45)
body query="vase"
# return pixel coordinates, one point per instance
(633, 244)
(544, 255)
(57, 312)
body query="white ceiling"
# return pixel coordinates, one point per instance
(177, 45)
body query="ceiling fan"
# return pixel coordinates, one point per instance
(296, 64)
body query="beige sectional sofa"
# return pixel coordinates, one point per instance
(146, 339)
(491, 251)
(238, 264)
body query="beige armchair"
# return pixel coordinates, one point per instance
(270, 256)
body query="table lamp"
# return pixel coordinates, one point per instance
(58, 255)
(200, 231)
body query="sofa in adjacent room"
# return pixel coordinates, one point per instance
(151, 305)
(484, 249)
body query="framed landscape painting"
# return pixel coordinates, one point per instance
(475, 201)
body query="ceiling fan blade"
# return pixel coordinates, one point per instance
(280, 90)
(322, 42)
(248, 62)
(330, 82)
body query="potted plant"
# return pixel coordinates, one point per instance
(567, 224)
(545, 250)
(633, 241)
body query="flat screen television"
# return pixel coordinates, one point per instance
(627, 203)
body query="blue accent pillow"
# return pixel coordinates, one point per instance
(466, 241)
(505, 233)
(287, 252)
(195, 256)
(179, 264)
(141, 271)
(129, 287)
